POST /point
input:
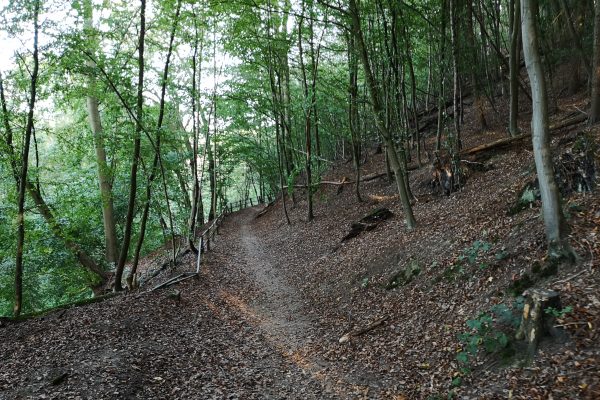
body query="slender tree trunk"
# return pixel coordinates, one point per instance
(442, 75)
(280, 166)
(515, 24)
(307, 121)
(456, 145)
(108, 218)
(157, 162)
(353, 111)
(118, 286)
(314, 61)
(413, 96)
(595, 109)
(212, 214)
(429, 72)
(554, 221)
(477, 92)
(379, 117)
(196, 196)
(24, 167)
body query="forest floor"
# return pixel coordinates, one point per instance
(265, 317)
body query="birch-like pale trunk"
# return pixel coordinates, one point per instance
(108, 213)
(554, 221)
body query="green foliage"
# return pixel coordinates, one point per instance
(558, 313)
(490, 332)
(468, 258)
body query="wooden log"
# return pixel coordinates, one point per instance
(511, 140)
(368, 222)
(494, 144)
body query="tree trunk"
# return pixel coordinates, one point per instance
(307, 120)
(157, 162)
(24, 167)
(554, 221)
(353, 111)
(474, 67)
(595, 109)
(515, 24)
(118, 286)
(442, 73)
(455, 145)
(196, 196)
(108, 213)
(379, 116)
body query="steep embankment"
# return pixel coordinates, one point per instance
(473, 255)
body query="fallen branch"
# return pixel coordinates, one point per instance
(163, 267)
(265, 210)
(364, 330)
(62, 307)
(174, 280)
(509, 141)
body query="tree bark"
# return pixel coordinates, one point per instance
(442, 73)
(307, 120)
(353, 110)
(595, 109)
(108, 213)
(456, 145)
(196, 196)
(24, 167)
(157, 160)
(554, 221)
(515, 24)
(118, 286)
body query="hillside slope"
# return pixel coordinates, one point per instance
(273, 300)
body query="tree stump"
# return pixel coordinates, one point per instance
(536, 323)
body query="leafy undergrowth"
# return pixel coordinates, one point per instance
(273, 300)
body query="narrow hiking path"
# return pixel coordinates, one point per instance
(279, 310)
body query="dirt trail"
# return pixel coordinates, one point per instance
(280, 312)
(280, 306)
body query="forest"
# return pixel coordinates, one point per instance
(321, 198)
